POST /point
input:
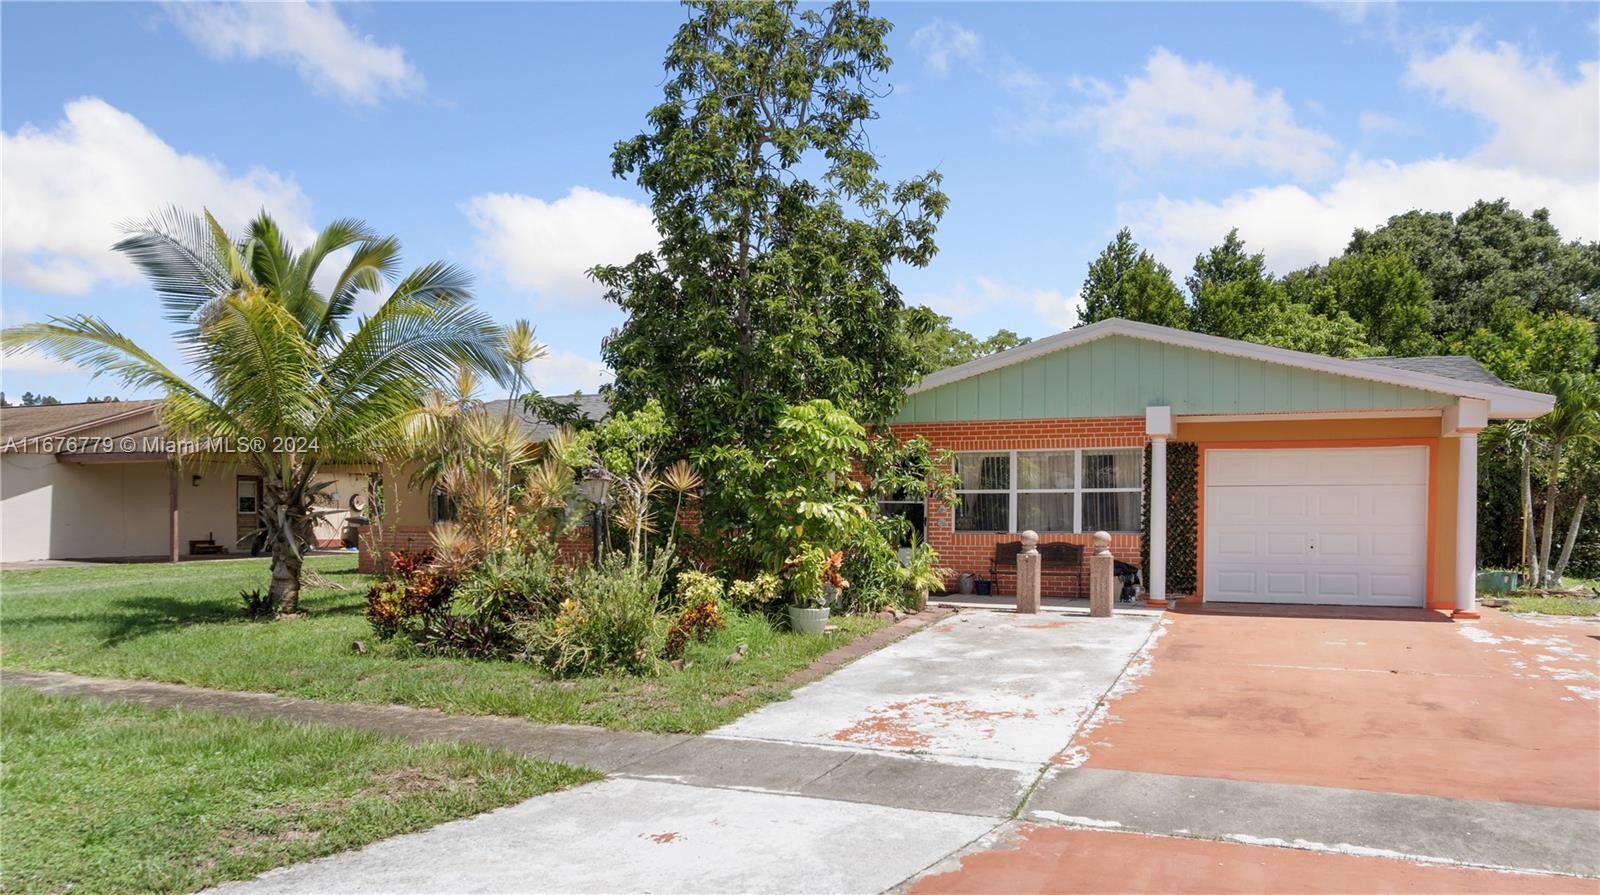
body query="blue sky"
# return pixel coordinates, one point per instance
(481, 133)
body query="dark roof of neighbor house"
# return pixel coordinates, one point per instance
(1450, 366)
(18, 423)
(593, 407)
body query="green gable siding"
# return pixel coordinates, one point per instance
(1120, 376)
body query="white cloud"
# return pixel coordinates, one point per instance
(1542, 120)
(28, 361)
(1544, 152)
(1297, 227)
(547, 248)
(982, 294)
(321, 46)
(1379, 123)
(1199, 113)
(941, 42)
(67, 190)
(561, 373)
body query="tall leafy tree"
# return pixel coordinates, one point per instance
(1488, 253)
(1231, 289)
(1126, 281)
(1382, 291)
(771, 285)
(284, 378)
(940, 343)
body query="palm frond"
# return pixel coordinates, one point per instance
(178, 253)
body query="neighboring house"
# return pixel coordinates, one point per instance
(412, 510)
(99, 481)
(1295, 478)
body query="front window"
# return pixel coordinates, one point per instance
(985, 491)
(441, 506)
(1072, 490)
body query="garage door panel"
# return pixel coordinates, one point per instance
(1287, 545)
(1329, 525)
(1285, 583)
(1338, 584)
(1339, 545)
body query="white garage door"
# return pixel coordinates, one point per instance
(1345, 526)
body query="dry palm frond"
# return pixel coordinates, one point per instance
(681, 478)
(521, 348)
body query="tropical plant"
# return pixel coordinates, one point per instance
(799, 493)
(609, 621)
(284, 383)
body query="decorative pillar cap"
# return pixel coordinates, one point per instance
(1102, 543)
(1030, 541)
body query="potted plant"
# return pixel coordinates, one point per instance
(814, 586)
(922, 573)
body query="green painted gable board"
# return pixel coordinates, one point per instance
(1120, 376)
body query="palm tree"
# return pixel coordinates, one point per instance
(1574, 421)
(279, 380)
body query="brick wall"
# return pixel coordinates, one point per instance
(973, 551)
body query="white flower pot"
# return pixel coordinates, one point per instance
(808, 621)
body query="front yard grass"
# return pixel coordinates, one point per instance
(117, 798)
(1576, 606)
(183, 624)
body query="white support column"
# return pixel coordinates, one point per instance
(1467, 527)
(1463, 422)
(1158, 426)
(1158, 522)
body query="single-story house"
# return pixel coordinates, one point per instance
(1270, 476)
(99, 481)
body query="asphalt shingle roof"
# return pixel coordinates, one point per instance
(17, 423)
(592, 407)
(1450, 366)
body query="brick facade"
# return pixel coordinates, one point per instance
(973, 551)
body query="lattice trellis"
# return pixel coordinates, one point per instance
(1183, 516)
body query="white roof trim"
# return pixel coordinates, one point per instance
(1504, 402)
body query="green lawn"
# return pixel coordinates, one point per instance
(1581, 606)
(183, 624)
(116, 798)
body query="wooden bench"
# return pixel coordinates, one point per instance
(1057, 560)
(206, 547)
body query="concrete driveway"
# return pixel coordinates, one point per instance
(990, 688)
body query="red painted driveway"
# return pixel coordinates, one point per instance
(1057, 859)
(1503, 709)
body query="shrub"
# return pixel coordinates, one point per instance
(872, 566)
(695, 623)
(756, 594)
(609, 622)
(694, 588)
(511, 582)
(413, 591)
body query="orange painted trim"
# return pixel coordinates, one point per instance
(1465, 613)
(1432, 445)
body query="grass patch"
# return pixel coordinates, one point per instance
(184, 625)
(1576, 606)
(117, 798)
